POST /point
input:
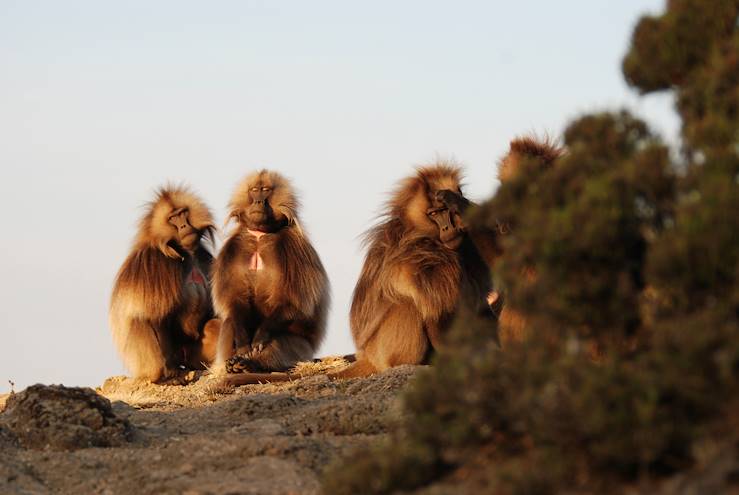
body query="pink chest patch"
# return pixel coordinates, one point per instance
(256, 262)
(195, 277)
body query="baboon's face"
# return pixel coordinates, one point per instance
(430, 215)
(260, 214)
(185, 234)
(445, 218)
(450, 233)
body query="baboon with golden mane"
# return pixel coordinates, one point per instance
(545, 152)
(270, 289)
(161, 298)
(421, 267)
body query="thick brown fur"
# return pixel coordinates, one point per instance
(270, 289)
(412, 282)
(512, 324)
(161, 298)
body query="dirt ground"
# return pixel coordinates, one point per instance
(200, 438)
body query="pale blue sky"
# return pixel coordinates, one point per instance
(101, 102)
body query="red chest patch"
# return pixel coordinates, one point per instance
(195, 277)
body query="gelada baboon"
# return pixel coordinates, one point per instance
(420, 268)
(543, 150)
(161, 299)
(512, 324)
(270, 290)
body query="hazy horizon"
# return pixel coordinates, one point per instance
(104, 102)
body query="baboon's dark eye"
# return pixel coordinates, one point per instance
(265, 189)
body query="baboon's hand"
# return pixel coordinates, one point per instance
(456, 204)
(492, 297)
(452, 200)
(241, 364)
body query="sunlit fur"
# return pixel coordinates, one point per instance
(411, 283)
(285, 302)
(528, 147)
(155, 315)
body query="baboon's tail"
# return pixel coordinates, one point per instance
(238, 379)
(358, 368)
(349, 358)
